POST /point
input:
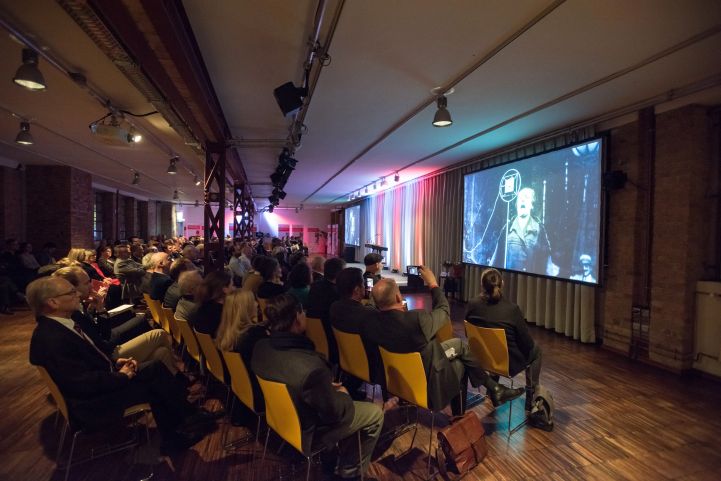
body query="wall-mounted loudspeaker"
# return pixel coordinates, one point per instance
(289, 97)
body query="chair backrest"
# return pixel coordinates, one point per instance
(315, 332)
(445, 332)
(212, 356)
(239, 378)
(152, 307)
(352, 354)
(405, 376)
(169, 316)
(280, 412)
(191, 342)
(262, 303)
(55, 392)
(489, 347)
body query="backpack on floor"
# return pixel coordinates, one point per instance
(542, 408)
(462, 445)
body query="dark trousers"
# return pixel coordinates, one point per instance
(533, 371)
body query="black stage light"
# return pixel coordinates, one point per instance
(270, 208)
(289, 97)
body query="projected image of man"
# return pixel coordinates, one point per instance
(526, 247)
(587, 270)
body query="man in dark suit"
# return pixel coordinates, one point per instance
(96, 388)
(327, 413)
(323, 293)
(348, 314)
(447, 363)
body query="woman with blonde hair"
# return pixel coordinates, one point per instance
(239, 330)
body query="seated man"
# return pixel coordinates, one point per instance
(160, 281)
(129, 272)
(374, 266)
(96, 388)
(144, 348)
(173, 294)
(348, 314)
(399, 330)
(327, 413)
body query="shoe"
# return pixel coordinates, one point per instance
(179, 441)
(202, 417)
(500, 394)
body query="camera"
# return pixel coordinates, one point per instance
(413, 270)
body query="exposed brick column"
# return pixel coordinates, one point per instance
(143, 219)
(166, 219)
(153, 208)
(60, 206)
(110, 220)
(131, 217)
(12, 219)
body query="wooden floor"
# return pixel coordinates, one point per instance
(615, 420)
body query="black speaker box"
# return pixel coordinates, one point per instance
(289, 97)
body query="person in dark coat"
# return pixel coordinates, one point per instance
(210, 297)
(327, 413)
(492, 310)
(447, 363)
(323, 293)
(97, 389)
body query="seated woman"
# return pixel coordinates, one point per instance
(491, 309)
(104, 259)
(88, 261)
(210, 298)
(272, 284)
(299, 279)
(239, 330)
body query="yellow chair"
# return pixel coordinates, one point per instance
(490, 347)
(445, 333)
(189, 339)
(282, 417)
(153, 311)
(315, 332)
(241, 384)
(143, 408)
(169, 317)
(406, 378)
(212, 356)
(352, 356)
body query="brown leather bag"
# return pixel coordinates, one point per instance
(462, 445)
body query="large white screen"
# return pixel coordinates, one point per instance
(540, 215)
(352, 226)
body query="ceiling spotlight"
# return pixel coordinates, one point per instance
(366, 189)
(172, 168)
(397, 177)
(197, 203)
(279, 193)
(28, 75)
(442, 117)
(270, 208)
(23, 137)
(175, 195)
(383, 182)
(136, 178)
(197, 180)
(134, 136)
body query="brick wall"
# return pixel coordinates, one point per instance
(131, 216)
(12, 208)
(166, 219)
(153, 209)
(143, 219)
(681, 192)
(110, 225)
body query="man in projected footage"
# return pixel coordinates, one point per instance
(528, 248)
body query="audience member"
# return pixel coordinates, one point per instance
(160, 281)
(97, 390)
(254, 278)
(491, 309)
(272, 284)
(105, 262)
(173, 294)
(240, 263)
(189, 283)
(327, 414)
(316, 265)
(447, 363)
(299, 280)
(129, 272)
(47, 254)
(210, 298)
(374, 266)
(322, 294)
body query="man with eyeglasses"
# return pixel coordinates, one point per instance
(96, 388)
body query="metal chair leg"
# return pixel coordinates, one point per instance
(414, 432)
(265, 448)
(61, 444)
(70, 456)
(430, 447)
(307, 471)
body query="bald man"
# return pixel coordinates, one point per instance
(399, 330)
(160, 281)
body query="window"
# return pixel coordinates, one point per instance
(98, 217)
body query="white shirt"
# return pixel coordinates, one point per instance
(69, 323)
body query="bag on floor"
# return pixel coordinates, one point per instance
(542, 408)
(462, 445)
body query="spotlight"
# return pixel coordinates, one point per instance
(175, 195)
(383, 182)
(197, 180)
(279, 193)
(23, 137)
(366, 189)
(397, 177)
(285, 160)
(28, 75)
(270, 208)
(197, 203)
(172, 168)
(133, 136)
(289, 97)
(442, 117)
(136, 178)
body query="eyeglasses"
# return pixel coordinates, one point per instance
(72, 292)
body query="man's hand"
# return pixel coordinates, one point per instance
(428, 276)
(339, 387)
(128, 363)
(128, 370)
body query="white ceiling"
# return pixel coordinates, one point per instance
(580, 61)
